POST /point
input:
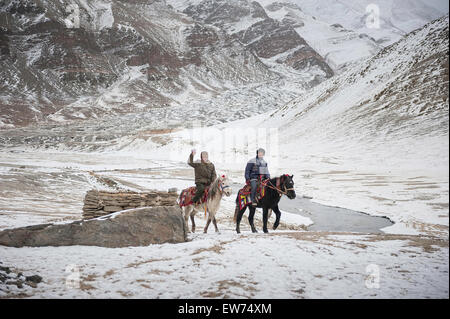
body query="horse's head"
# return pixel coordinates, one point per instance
(287, 185)
(224, 184)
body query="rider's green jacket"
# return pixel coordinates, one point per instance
(205, 172)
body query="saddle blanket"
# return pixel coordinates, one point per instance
(244, 194)
(186, 196)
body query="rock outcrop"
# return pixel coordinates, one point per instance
(268, 38)
(135, 227)
(100, 203)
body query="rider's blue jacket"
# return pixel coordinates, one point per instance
(255, 168)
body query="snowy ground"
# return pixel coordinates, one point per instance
(227, 265)
(287, 263)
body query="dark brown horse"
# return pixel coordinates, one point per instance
(274, 189)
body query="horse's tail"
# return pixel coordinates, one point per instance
(236, 210)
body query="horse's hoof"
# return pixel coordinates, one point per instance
(254, 231)
(238, 231)
(266, 231)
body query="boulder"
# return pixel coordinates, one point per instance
(135, 227)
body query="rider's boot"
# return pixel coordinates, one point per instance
(255, 202)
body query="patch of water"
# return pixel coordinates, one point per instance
(329, 218)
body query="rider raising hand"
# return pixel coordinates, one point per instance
(205, 173)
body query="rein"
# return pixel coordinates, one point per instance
(279, 189)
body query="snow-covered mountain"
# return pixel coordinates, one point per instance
(400, 93)
(275, 42)
(343, 32)
(386, 21)
(131, 57)
(347, 32)
(210, 60)
(124, 57)
(341, 47)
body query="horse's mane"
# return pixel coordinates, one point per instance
(214, 188)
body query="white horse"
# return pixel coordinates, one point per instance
(219, 187)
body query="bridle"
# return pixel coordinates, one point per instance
(221, 186)
(279, 190)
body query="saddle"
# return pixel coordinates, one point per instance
(186, 196)
(244, 193)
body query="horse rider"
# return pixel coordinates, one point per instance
(205, 174)
(255, 171)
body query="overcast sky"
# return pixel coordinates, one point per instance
(439, 4)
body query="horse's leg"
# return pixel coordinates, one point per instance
(265, 217)
(278, 215)
(186, 217)
(215, 224)
(207, 224)
(238, 219)
(251, 215)
(192, 219)
(193, 223)
(212, 217)
(236, 212)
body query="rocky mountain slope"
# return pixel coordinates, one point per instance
(343, 33)
(273, 41)
(401, 93)
(340, 47)
(157, 64)
(124, 57)
(131, 57)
